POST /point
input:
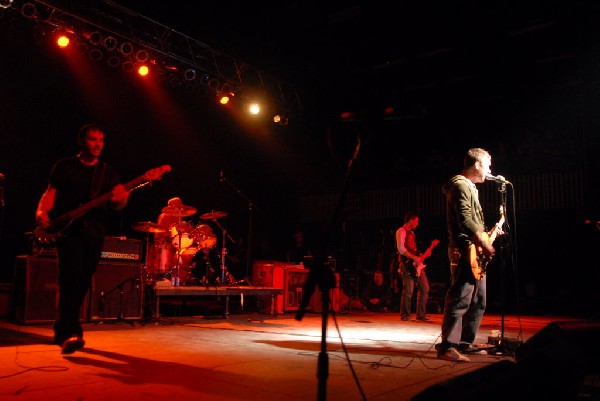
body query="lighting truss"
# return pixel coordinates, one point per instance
(168, 46)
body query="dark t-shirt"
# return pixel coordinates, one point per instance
(73, 181)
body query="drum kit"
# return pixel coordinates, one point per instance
(184, 253)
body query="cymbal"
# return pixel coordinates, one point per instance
(213, 214)
(148, 227)
(179, 210)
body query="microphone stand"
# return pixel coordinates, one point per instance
(501, 348)
(323, 276)
(251, 208)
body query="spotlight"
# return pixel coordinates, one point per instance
(189, 74)
(95, 54)
(62, 41)
(204, 79)
(5, 3)
(28, 10)
(113, 61)
(213, 83)
(128, 66)
(280, 119)
(224, 98)
(110, 43)
(93, 37)
(126, 48)
(141, 56)
(254, 108)
(143, 70)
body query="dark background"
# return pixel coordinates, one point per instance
(517, 78)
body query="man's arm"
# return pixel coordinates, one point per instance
(400, 241)
(45, 204)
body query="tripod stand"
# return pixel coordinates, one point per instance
(120, 313)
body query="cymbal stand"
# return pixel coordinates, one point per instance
(223, 250)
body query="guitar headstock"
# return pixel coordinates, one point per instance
(435, 242)
(156, 173)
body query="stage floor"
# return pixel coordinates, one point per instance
(248, 356)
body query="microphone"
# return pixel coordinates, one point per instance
(221, 176)
(497, 178)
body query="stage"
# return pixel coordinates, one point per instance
(258, 356)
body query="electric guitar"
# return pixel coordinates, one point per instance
(479, 262)
(46, 237)
(415, 268)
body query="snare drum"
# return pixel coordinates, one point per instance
(181, 235)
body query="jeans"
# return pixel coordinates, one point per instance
(464, 304)
(408, 287)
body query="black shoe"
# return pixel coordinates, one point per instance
(471, 349)
(405, 318)
(424, 319)
(72, 344)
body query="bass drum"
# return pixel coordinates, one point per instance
(204, 236)
(181, 235)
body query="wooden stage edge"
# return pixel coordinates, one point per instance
(173, 291)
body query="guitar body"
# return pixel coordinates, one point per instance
(409, 264)
(479, 262)
(46, 236)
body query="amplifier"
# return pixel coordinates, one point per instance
(121, 248)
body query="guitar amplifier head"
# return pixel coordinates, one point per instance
(122, 248)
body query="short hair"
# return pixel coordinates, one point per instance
(409, 216)
(85, 129)
(475, 155)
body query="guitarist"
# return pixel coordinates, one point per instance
(409, 259)
(73, 181)
(466, 297)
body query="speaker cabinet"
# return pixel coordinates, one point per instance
(35, 290)
(117, 291)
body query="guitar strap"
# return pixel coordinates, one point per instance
(97, 180)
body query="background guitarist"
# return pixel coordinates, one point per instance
(409, 259)
(73, 181)
(466, 297)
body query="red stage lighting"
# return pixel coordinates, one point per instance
(143, 70)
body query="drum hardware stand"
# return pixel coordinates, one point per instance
(224, 272)
(103, 295)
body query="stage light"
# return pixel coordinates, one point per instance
(128, 66)
(28, 10)
(94, 37)
(95, 54)
(280, 119)
(143, 70)
(224, 98)
(126, 49)
(141, 56)
(110, 43)
(62, 41)
(189, 74)
(113, 61)
(254, 108)
(81, 48)
(5, 3)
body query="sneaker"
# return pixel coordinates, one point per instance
(452, 354)
(72, 344)
(424, 319)
(471, 349)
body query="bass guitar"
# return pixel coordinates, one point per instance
(46, 237)
(415, 268)
(479, 261)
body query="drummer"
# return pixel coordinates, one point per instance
(166, 220)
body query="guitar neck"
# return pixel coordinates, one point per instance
(100, 200)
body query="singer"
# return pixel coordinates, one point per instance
(466, 297)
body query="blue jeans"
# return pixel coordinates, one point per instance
(408, 287)
(464, 304)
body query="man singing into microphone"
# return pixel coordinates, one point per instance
(466, 297)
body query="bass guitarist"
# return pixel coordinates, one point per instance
(73, 181)
(411, 269)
